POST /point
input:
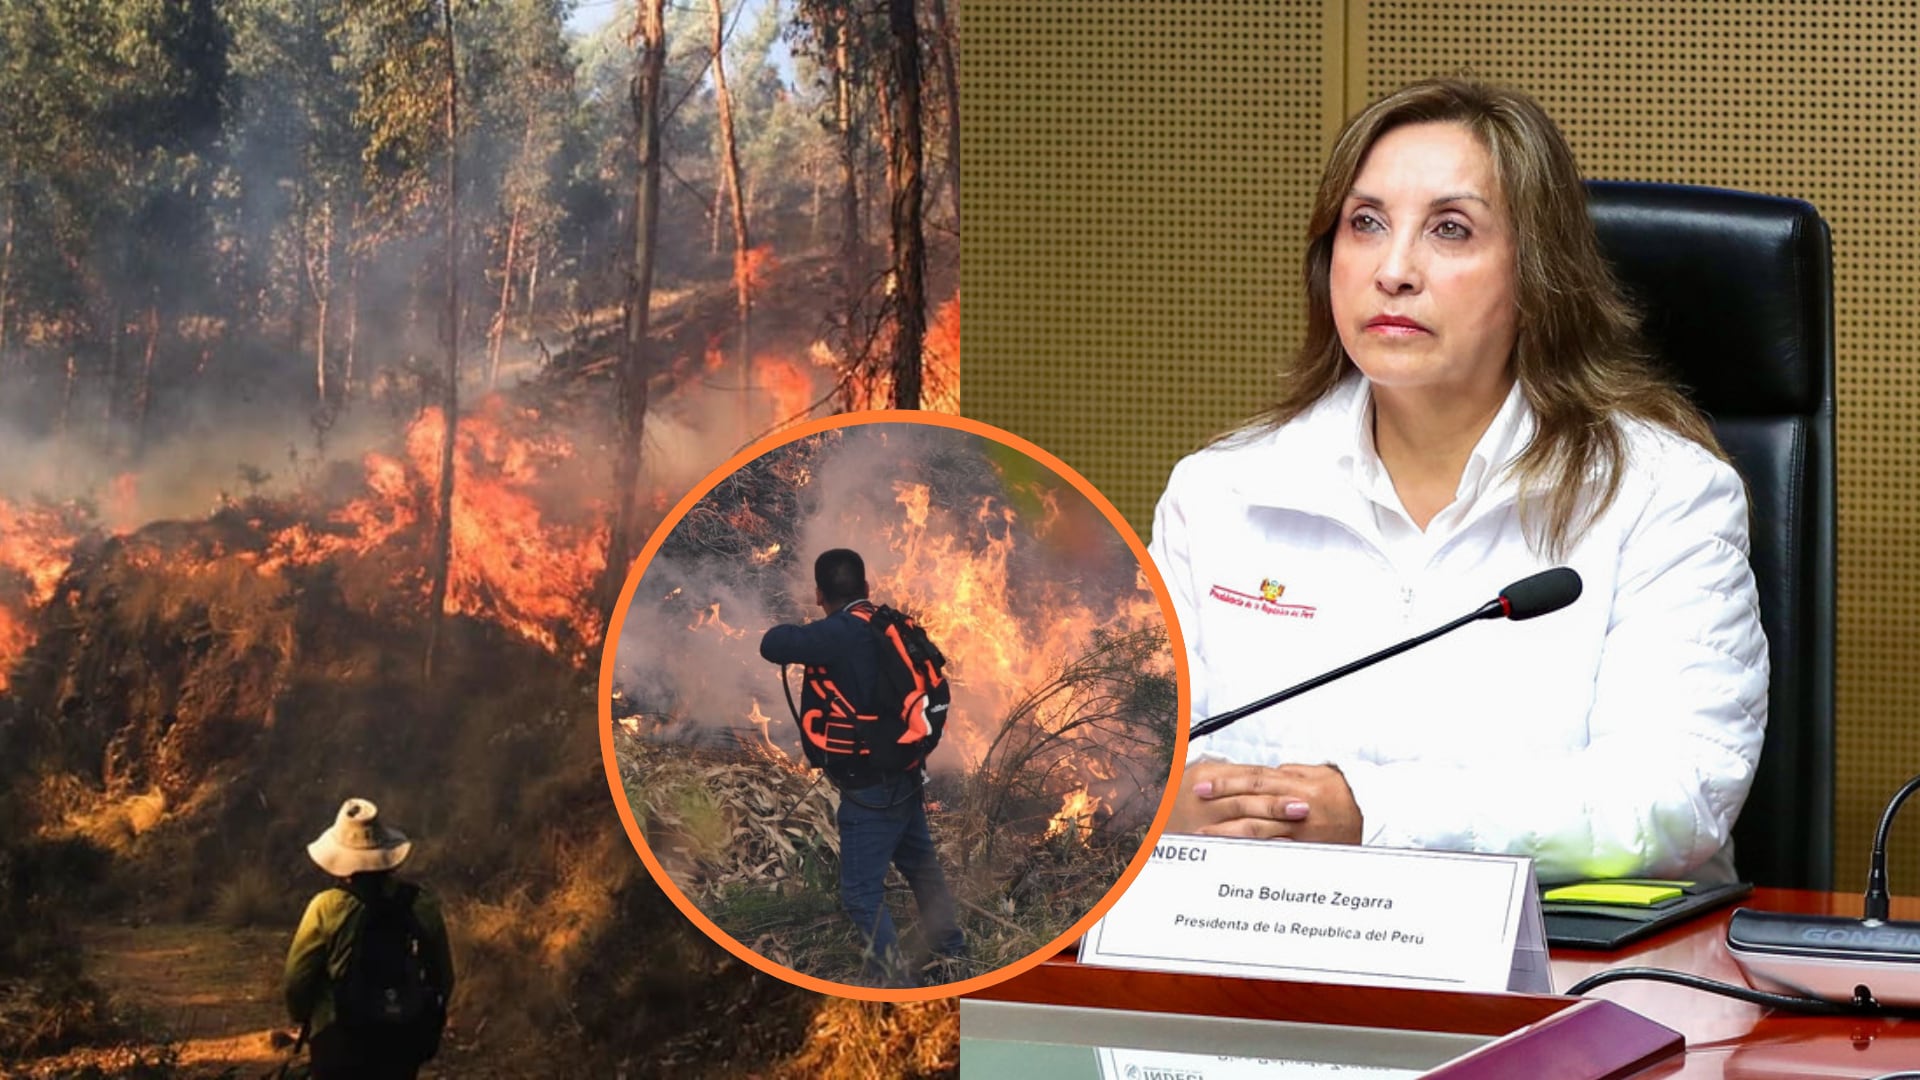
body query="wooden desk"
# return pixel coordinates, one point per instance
(1725, 1038)
(1731, 1039)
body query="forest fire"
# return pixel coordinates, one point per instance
(788, 385)
(512, 562)
(940, 368)
(1075, 819)
(36, 545)
(1028, 615)
(711, 618)
(256, 329)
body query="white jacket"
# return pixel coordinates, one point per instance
(1616, 737)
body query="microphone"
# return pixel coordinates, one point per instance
(1529, 598)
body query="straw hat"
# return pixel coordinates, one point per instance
(358, 843)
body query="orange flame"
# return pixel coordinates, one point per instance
(711, 617)
(510, 562)
(36, 544)
(123, 502)
(939, 366)
(761, 720)
(1075, 818)
(790, 387)
(36, 547)
(751, 268)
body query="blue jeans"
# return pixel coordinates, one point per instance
(882, 824)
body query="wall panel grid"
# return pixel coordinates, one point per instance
(1136, 181)
(1138, 177)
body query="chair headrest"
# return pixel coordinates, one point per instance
(1736, 290)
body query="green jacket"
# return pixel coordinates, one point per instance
(325, 940)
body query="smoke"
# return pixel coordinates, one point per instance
(1012, 571)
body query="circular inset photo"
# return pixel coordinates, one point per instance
(890, 705)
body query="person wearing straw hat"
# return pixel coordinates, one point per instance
(353, 916)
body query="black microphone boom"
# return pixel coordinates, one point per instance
(1530, 597)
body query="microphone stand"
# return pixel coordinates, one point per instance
(1492, 609)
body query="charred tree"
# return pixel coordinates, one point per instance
(635, 364)
(848, 145)
(730, 172)
(909, 293)
(441, 559)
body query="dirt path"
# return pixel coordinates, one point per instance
(208, 995)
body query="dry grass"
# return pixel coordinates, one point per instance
(250, 896)
(917, 1041)
(774, 886)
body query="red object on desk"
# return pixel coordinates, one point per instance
(1725, 1038)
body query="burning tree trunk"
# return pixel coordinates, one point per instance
(730, 171)
(634, 367)
(442, 556)
(909, 245)
(949, 74)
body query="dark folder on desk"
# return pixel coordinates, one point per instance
(1610, 914)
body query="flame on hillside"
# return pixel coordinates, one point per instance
(511, 561)
(788, 385)
(36, 547)
(939, 366)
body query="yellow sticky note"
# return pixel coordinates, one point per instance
(1627, 894)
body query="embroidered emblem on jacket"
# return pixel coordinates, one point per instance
(1271, 590)
(1261, 602)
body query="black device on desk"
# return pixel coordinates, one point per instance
(1614, 913)
(1867, 962)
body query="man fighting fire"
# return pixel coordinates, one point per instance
(871, 739)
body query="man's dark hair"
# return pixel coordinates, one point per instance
(841, 576)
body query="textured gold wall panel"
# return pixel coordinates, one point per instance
(1137, 180)
(1138, 177)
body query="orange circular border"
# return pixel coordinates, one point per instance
(611, 648)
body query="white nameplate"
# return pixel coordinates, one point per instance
(1156, 1064)
(1332, 913)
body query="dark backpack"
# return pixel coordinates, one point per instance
(905, 721)
(914, 692)
(383, 999)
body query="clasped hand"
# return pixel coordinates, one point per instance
(1286, 802)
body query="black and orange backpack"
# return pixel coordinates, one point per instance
(909, 715)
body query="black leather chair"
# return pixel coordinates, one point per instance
(1737, 290)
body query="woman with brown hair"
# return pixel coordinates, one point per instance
(1471, 404)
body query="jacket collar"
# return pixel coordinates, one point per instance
(1291, 470)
